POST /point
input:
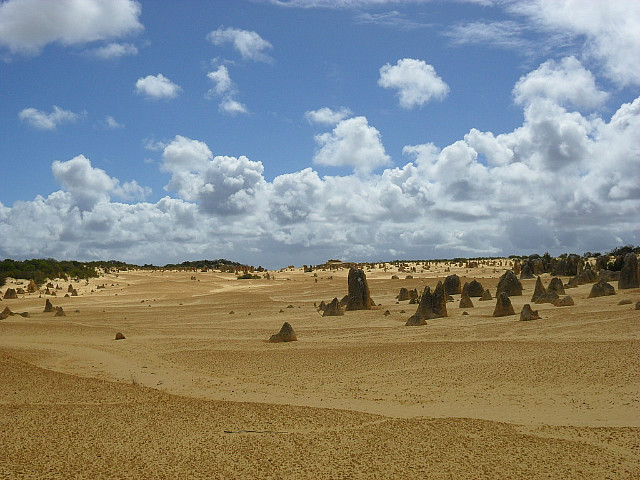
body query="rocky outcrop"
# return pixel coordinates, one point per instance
(452, 285)
(629, 272)
(473, 288)
(32, 287)
(565, 301)
(286, 334)
(526, 272)
(333, 309)
(602, 289)
(403, 295)
(48, 306)
(486, 295)
(432, 305)
(465, 301)
(555, 285)
(503, 306)
(10, 294)
(528, 313)
(539, 290)
(509, 284)
(358, 296)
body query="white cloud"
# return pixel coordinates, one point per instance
(115, 50)
(111, 123)
(327, 116)
(157, 87)
(250, 45)
(610, 29)
(26, 26)
(47, 121)
(352, 143)
(224, 87)
(89, 185)
(416, 81)
(566, 82)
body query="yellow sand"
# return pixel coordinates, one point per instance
(195, 391)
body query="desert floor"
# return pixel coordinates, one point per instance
(196, 391)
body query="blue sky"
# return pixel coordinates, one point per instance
(279, 132)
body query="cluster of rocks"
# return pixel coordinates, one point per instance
(8, 313)
(432, 305)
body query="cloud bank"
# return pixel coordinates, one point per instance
(565, 180)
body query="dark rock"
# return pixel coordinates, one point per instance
(32, 287)
(556, 286)
(473, 288)
(413, 296)
(601, 289)
(60, 312)
(48, 306)
(503, 306)
(120, 336)
(626, 301)
(539, 290)
(465, 301)
(452, 285)
(486, 295)
(509, 284)
(333, 309)
(432, 305)
(526, 272)
(548, 297)
(565, 301)
(10, 294)
(403, 295)
(528, 313)
(638, 305)
(629, 272)
(608, 276)
(322, 306)
(358, 295)
(286, 334)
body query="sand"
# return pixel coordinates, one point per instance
(195, 391)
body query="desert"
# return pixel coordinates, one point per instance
(194, 389)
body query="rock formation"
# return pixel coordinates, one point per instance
(465, 301)
(120, 336)
(602, 289)
(60, 312)
(528, 313)
(509, 284)
(486, 295)
(473, 288)
(403, 295)
(10, 294)
(452, 285)
(32, 287)
(503, 306)
(526, 272)
(629, 272)
(432, 305)
(358, 295)
(539, 290)
(556, 286)
(286, 334)
(48, 306)
(322, 306)
(333, 309)
(565, 301)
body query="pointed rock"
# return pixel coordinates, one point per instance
(48, 306)
(465, 301)
(509, 284)
(60, 312)
(403, 295)
(486, 295)
(474, 288)
(10, 294)
(503, 306)
(528, 313)
(452, 285)
(526, 272)
(556, 286)
(629, 272)
(539, 290)
(286, 334)
(432, 305)
(120, 336)
(358, 295)
(32, 287)
(565, 301)
(333, 309)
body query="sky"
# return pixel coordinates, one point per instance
(288, 132)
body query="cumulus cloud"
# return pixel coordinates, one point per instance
(223, 87)
(610, 30)
(416, 82)
(327, 116)
(566, 82)
(157, 87)
(26, 26)
(89, 185)
(248, 44)
(47, 121)
(352, 143)
(562, 181)
(114, 50)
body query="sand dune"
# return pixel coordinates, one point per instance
(357, 396)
